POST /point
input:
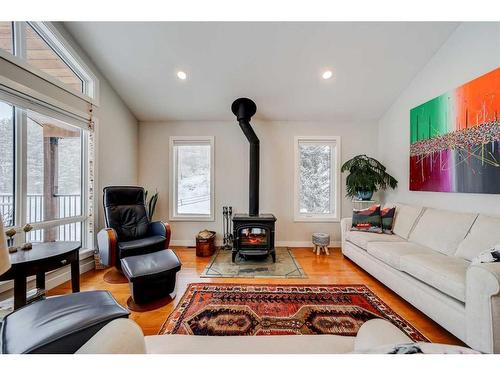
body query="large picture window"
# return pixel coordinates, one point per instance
(42, 179)
(192, 178)
(317, 188)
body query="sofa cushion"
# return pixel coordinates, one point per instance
(405, 219)
(445, 273)
(484, 234)
(442, 230)
(362, 239)
(391, 252)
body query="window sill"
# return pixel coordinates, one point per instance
(316, 220)
(192, 218)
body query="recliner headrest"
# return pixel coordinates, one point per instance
(123, 196)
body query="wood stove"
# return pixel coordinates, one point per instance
(253, 233)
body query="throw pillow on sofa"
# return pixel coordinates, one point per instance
(387, 215)
(488, 256)
(367, 220)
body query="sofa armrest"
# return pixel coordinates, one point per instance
(107, 243)
(482, 307)
(160, 228)
(345, 225)
(121, 336)
(378, 332)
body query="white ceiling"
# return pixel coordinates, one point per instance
(278, 65)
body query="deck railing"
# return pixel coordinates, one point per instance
(68, 205)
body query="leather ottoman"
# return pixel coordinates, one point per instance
(58, 325)
(151, 276)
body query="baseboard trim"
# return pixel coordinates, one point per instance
(278, 243)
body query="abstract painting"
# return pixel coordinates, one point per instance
(455, 139)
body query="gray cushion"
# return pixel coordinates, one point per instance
(484, 234)
(442, 230)
(391, 252)
(59, 325)
(445, 273)
(362, 239)
(142, 245)
(150, 265)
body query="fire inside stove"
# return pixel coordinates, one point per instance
(253, 237)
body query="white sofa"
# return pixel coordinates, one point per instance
(428, 263)
(124, 336)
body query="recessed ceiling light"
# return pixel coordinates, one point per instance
(327, 74)
(181, 75)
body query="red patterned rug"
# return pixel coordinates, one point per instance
(250, 309)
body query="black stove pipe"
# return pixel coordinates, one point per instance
(244, 109)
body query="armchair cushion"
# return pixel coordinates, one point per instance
(125, 212)
(141, 246)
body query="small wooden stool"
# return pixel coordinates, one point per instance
(321, 242)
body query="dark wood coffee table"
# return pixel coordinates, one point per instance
(44, 257)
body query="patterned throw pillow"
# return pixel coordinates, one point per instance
(367, 220)
(387, 214)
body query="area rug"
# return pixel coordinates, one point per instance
(246, 310)
(286, 266)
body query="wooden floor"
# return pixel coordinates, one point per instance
(332, 269)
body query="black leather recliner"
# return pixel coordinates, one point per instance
(128, 230)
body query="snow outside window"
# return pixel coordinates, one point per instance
(317, 188)
(192, 178)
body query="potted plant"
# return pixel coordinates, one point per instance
(151, 204)
(366, 175)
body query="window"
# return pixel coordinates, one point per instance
(40, 55)
(7, 164)
(317, 187)
(6, 37)
(51, 188)
(192, 178)
(45, 52)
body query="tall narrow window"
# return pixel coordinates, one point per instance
(317, 195)
(7, 206)
(192, 195)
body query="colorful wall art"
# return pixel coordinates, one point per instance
(455, 139)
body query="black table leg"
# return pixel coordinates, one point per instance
(19, 292)
(40, 280)
(75, 276)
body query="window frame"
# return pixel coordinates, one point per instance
(190, 140)
(20, 178)
(334, 180)
(61, 48)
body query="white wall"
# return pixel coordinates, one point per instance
(472, 50)
(117, 135)
(231, 170)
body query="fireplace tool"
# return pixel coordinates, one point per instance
(227, 214)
